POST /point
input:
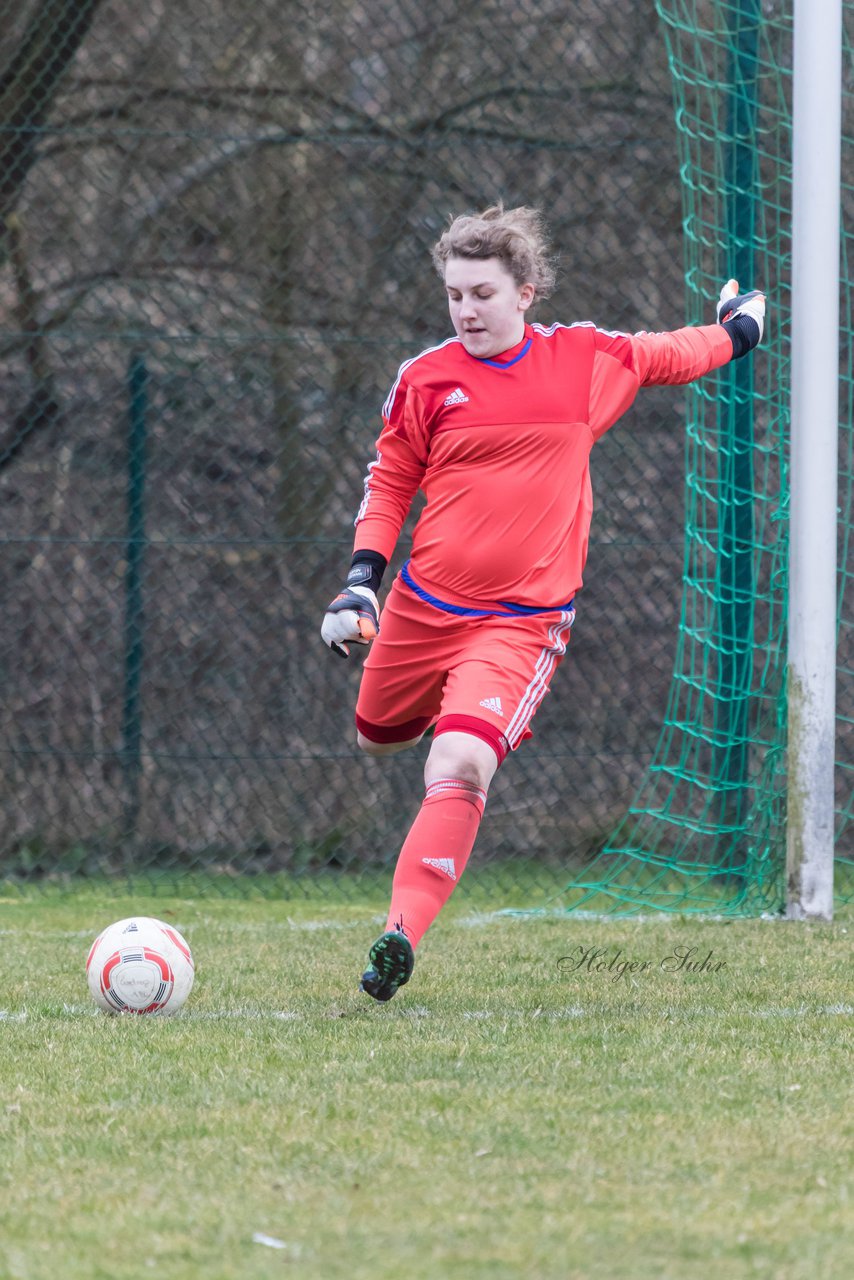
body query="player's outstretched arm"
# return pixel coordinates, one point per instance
(683, 355)
(353, 617)
(743, 317)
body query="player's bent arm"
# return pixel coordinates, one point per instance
(353, 617)
(391, 483)
(390, 486)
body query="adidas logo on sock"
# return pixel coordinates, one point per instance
(442, 864)
(457, 397)
(492, 704)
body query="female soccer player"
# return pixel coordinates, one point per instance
(495, 425)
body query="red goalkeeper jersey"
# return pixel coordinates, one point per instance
(501, 449)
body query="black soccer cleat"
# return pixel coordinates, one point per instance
(392, 960)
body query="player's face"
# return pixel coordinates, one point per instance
(487, 306)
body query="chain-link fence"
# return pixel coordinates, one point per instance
(216, 225)
(217, 233)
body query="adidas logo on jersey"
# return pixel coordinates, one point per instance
(457, 397)
(492, 704)
(442, 864)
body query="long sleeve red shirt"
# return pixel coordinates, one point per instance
(501, 449)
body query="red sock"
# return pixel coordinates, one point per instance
(434, 855)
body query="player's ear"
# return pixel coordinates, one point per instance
(526, 296)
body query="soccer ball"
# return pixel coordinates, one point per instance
(140, 965)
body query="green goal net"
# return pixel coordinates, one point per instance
(706, 829)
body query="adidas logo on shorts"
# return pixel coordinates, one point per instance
(457, 397)
(492, 704)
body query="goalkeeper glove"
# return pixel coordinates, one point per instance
(353, 617)
(743, 317)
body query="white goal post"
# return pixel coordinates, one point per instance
(816, 162)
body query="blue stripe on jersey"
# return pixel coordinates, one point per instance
(499, 364)
(502, 609)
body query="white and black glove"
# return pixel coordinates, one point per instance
(743, 317)
(353, 617)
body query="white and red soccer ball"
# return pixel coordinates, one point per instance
(140, 965)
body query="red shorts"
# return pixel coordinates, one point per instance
(485, 676)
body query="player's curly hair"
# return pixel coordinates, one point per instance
(517, 237)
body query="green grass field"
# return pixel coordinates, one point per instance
(510, 1114)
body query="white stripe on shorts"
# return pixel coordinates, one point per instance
(536, 690)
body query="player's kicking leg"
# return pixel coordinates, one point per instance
(391, 958)
(457, 774)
